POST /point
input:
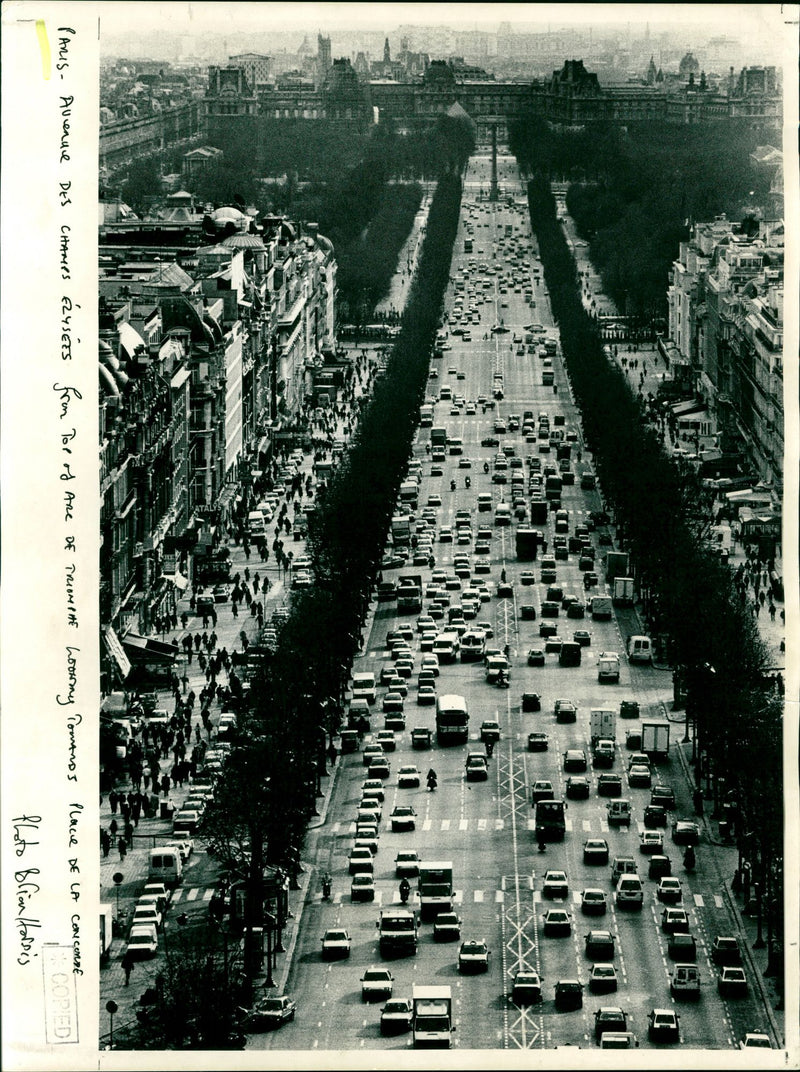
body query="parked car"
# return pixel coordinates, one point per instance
(142, 941)
(269, 1013)
(732, 983)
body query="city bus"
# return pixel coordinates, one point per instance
(452, 720)
(550, 821)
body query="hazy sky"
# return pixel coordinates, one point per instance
(739, 20)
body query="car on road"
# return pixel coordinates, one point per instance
(663, 1025)
(609, 785)
(421, 738)
(669, 890)
(537, 742)
(490, 730)
(663, 795)
(555, 884)
(426, 697)
(599, 945)
(446, 927)
(595, 851)
(659, 866)
(594, 902)
(682, 946)
(557, 923)
(674, 920)
(526, 989)
(685, 832)
(654, 816)
(732, 983)
(651, 842)
(376, 983)
(396, 1016)
(379, 768)
(335, 944)
(360, 860)
(473, 956)
(403, 817)
(568, 995)
(575, 760)
(387, 740)
(565, 711)
(536, 657)
(603, 979)
(542, 790)
(362, 888)
(408, 777)
(639, 777)
(609, 1018)
(577, 788)
(476, 767)
(725, 951)
(406, 863)
(269, 1013)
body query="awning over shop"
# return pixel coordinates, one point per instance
(263, 445)
(692, 416)
(180, 582)
(146, 650)
(116, 651)
(681, 409)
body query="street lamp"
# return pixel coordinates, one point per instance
(111, 1008)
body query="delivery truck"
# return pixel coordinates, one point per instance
(432, 1023)
(602, 723)
(655, 738)
(602, 608)
(398, 932)
(409, 593)
(623, 592)
(617, 564)
(435, 886)
(608, 666)
(527, 541)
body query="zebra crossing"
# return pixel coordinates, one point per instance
(586, 826)
(501, 896)
(192, 893)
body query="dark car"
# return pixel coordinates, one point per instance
(609, 1018)
(725, 952)
(575, 760)
(536, 657)
(537, 742)
(577, 788)
(654, 816)
(685, 832)
(599, 945)
(595, 851)
(569, 995)
(663, 795)
(609, 785)
(269, 1013)
(659, 866)
(682, 947)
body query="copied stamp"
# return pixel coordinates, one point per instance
(60, 994)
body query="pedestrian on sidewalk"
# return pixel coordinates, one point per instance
(122, 848)
(772, 611)
(127, 966)
(235, 609)
(113, 800)
(113, 828)
(105, 842)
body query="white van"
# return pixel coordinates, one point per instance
(640, 650)
(364, 687)
(255, 523)
(165, 865)
(629, 892)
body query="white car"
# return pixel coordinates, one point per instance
(335, 944)
(376, 983)
(143, 941)
(408, 778)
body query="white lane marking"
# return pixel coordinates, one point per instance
(499, 896)
(427, 824)
(478, 896)
(445, 824)
(698, 900)
(192, 894)
(463, 824)
(481, 824)
(499, 824)
(208, 894)
(718, 902)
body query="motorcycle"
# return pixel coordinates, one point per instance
(467, 482)
(452, 485)
(432, 782)
(689, 859)
(502, 682)
(326, 887)
(486, 467)
(405, 890)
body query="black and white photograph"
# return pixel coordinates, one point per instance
(400, 486)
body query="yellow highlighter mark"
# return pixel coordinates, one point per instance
(44, 47)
